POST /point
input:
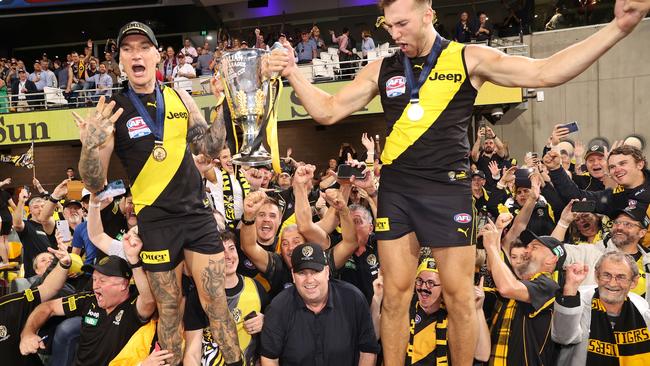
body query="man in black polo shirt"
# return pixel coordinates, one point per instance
(318, 321)
(31, 232)
(111, 313)
(16, 307)
(592, 179)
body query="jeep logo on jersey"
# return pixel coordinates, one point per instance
(395, 86)
(137, 127)
(456, 78)
(463, 218)
(173, 115)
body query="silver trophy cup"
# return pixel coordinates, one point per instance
(247, 93)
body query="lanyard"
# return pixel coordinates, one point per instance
(157, 126)
(432, 59)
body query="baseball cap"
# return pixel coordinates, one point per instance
(478, 173)
(595, 149)
(556, 246)
(112, 265)
(71, 202)
(636, 213)
(136, 28)
(428, 264)
(21, 70)
(85, 194)
(308, 256)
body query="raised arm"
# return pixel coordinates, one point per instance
(483, 347)
(343, 250)
(327, 109)
(97, 141)
(54, 281)
(489, 64)
(203, 139)
(96, 232)
(506, 282)
(17, 215)
(248, 235)
(476, 148)
(30, 342)
(145, 303)
(310, 230)
(47, 213)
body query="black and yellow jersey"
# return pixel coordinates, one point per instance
(166, 189)
(428, 337)
(435, 148)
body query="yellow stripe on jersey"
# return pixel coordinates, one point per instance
(156, 175)
(434, 98)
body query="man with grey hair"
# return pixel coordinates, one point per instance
(604, 325)
(362, 268)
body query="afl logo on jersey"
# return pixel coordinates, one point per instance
(137, 127)
(463, 218)
(395, 86)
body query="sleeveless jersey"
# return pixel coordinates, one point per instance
(435, 148)
(168, 189)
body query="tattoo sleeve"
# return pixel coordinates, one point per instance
(168, 295)
(90, 168)
(204, 139)
(222, 324)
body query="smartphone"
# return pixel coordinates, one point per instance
(26, 189)
(114, 188)
(63, 227)
(584, 206)
(571, 126)
(250, 315)
(347, 171)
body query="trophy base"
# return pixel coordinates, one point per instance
(257, 158)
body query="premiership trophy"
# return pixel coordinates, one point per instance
(251, 96)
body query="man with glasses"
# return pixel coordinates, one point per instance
(606, 325)
(428, 320)
(629, 227)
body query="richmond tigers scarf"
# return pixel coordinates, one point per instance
(628, 344)
(229, 196)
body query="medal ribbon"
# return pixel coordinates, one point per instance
(432, 59)
(157, 126)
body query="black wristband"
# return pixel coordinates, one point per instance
(54, 200)
(137, 265)
(64, 266)
(236, 363)
(246, 222)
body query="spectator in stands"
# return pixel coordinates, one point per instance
(12, 72)
(428, 319)
(463, 32)
(627, 167)
(112, 67)
(76, 74)
(486, 149)
(247, 300)
(317, 321)
(42, 77)
(61, 73)
(306, 49)
(485, 29)
(4, 69)
(89, 74)
(603, 325)
(103, 83)
(183, 72)
(189, 50)
(111, 312)
(523, 319)
(169, 65)
(203, 62)
(343, 41)
(367, 43)
(16, 307)
(284, 180)
(71, 174)
(4, 97)
(557, 20)
(314, 35)
(22, 92)
(596, 177)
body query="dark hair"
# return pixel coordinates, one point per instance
(228, 236)
(69, 168)
(346, 29)
(636, 154)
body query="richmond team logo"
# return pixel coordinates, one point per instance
(3, 333)
(137, 127)
(307, 252)
(395, 86)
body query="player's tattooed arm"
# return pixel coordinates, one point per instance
(222, 324)
(96, 136)
(203, 138)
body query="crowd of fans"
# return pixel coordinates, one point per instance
(558, 232)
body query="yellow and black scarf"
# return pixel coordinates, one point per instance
(229, 197)
(428, 338)
(627, 344)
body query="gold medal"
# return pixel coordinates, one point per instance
(159, 153)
